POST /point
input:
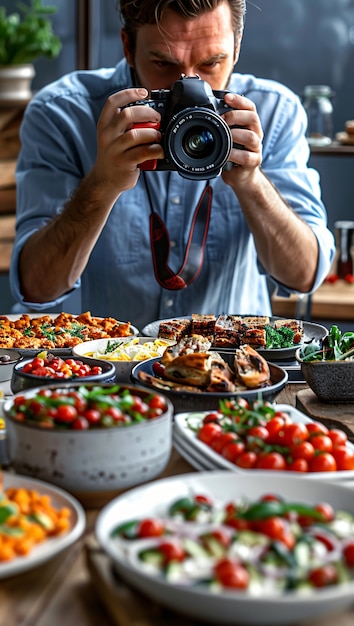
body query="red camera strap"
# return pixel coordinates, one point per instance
(194, 254)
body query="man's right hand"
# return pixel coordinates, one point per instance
(121, 146)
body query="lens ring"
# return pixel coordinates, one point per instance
(198, 141)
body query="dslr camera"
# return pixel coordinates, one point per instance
(195, 138)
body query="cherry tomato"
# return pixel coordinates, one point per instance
(293, 433)
(80, 423)
(247, 459)
(338, 437)
(348, 553)
(150, 528)
(219, 443)
(322, 442)
(326, 511)
(259, 432)
(199, 498)
(208, 432)
(303, 450)
(232, 574)
(211, 417)
(66, 413)
(172, 551)
(158, 369)
(273, 427)
(324, 576)
(315, 428)
(232, 450)
(157, 402)
(271, 461)
(37, 362)
(115, 413)
(273, 527)
(92, 415)
(221, 536)
(298, 465)
(344, 458)
(323, 462)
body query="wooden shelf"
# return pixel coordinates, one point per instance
(333, 149)
(332, 301)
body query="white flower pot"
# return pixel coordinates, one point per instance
(15, 83)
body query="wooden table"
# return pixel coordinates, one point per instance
(62, 592)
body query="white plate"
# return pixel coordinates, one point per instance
(226, 607)
(216, 461)
(194, 457)
(312, 332)
(51, 547)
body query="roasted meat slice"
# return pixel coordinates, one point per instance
(190, 369)
(251, 368)
(187, 345)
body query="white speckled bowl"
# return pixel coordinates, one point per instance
(331, 381)
(95, 462)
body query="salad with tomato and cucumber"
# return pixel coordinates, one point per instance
(86, 407)
(260, 436)
(268, 544)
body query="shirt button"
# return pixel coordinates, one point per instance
(176, 200)
(169, 303)
(173, 243)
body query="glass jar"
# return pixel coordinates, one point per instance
(345, 248)
(317, 102)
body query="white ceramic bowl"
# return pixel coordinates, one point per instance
(95, 461)
(91, 349)
(227, 607)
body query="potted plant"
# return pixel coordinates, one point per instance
(24, 36)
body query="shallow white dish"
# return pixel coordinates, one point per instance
(216, 461)
(226, 607)
(50, 548)
(193, 456)
(312, 332)
(88, 349)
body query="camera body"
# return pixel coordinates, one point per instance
(196, 140)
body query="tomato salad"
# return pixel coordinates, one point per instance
(86, 407)
(258, 436)
(257, 546)
(52, 366)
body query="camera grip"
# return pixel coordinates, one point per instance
(152, 164)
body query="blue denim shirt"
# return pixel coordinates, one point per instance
(59, 148)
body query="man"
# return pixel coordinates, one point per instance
(84, 203)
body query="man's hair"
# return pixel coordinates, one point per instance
(135, 13)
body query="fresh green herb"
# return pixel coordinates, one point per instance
(27, 35)
(112, 346)
(48, 332)
(279, 337)
(77, 330)
(275, 508)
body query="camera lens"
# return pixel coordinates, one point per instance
(197, 143)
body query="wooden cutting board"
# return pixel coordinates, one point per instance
(332, 415)
(128, 607)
